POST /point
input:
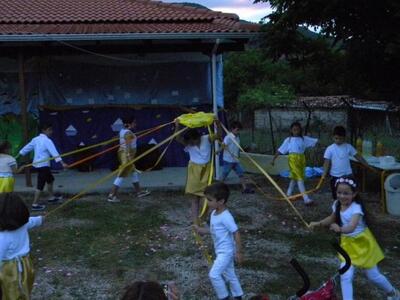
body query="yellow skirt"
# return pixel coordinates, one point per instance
(363, 249)
(197, 178)
(15, 285)
(123, 159)
(297, 166)
(7, 184)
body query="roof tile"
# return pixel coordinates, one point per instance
(111, 16)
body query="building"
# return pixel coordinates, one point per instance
(84, 64)
(325, 112)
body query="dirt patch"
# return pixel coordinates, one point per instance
(92, 249)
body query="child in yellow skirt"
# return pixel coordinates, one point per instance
(16, 269)
(199, 149)
(295, 146)
(126, 153)
(349, 219)
(8, 167)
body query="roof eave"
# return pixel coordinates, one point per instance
(124, 36)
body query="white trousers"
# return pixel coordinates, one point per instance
(302, 189)
(373, 274)
(222, 272)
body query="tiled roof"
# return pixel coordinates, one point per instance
(112, 16)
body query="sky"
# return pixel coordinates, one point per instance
(245, 9)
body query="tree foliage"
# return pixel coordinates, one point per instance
(253, 81)
(367, 33)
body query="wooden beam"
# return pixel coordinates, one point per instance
(24, 109)
(48, 49)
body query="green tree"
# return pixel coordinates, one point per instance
(367, 30)
(251, 75)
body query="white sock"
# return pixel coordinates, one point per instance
(302, 189)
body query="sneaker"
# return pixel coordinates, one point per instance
(309, 202)
(38, 207)
(54, 199)
(113, 199)
(395, 296)
(143, 193)
(248, 191)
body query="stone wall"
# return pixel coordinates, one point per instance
(283, 117)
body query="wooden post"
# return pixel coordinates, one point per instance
(271, 130)
(308, 118)
(24, 108)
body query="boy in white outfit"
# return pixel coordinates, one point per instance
(44, 149)
(227, 244)
(231, 157)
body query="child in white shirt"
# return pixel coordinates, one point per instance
(16, 269)
(126, 153)
(44, 149)
(295, 146)
(227, 243)
(8, 167)
(231, 157)
(349, 219)
(337, 158)
(199, 168)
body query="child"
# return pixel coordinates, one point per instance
(337, 158)
(126, 153)
(16, 270)
(8, 167)
(349, 219)
(231, 156)
(227, 244)
(43, 148)
(296, 145)
(199, 148)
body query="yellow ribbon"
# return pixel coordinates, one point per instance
(103, 179)
(89, 147)
(318, 186)
(269, 178)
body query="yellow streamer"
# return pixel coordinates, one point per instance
(103, 179)
(210, 177)
(158, 160)
(269, 178)
(89, 147)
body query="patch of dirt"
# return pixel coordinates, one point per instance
(271, 234)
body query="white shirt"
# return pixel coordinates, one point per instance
(339, 155)
(122, 142)
(6, 162)
(43, 148)
(231, 148)
(297, 144)
(222, 228)
(15, 243)
(347, 215)
(202, 154)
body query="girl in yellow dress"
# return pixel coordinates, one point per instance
(199, 149)
(8, 167)
(16, 269)
(349, 219)
(126, 153)
(295, 146)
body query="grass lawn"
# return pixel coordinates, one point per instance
(92, 249)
